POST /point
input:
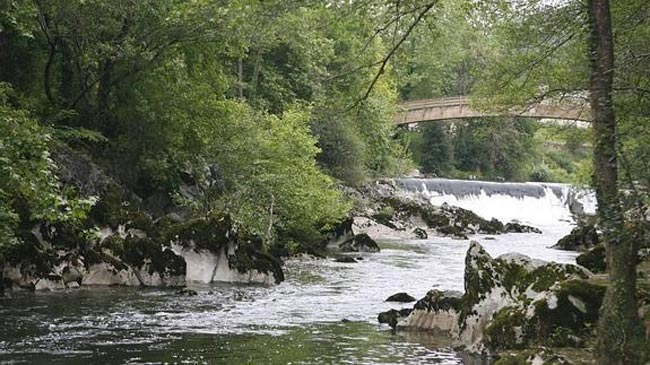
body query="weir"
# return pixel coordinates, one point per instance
(531, 203)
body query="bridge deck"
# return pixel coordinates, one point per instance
(459, 108)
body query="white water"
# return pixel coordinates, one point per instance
(318, 293)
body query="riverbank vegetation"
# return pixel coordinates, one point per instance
(189, 108)
(161, 112)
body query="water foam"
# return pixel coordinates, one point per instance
(541, 204)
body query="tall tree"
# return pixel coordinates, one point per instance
(619, 327)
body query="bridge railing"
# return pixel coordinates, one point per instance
(459, 107)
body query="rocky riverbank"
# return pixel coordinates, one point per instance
(518, 310)
(385, 211)
(130, 241)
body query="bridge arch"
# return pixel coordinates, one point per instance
(430, 110)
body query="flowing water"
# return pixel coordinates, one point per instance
(325, 312)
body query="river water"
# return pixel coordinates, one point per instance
(325, 312)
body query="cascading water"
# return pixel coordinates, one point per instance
(530, 203)
(300, 320)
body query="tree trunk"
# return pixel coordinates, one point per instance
(619, 330)
(103, 93)
(67, 73)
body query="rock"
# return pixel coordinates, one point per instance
(436, 312)
(186, 292)
(453, 231)
(594, 259)
(516, 227)
(71, 274)
(401, 298)
(580, 239)
(215, 250)
(152, 265)
(391, 317)
(345, 259)
(535, 356)
(360, 243)
(420, 233)
(342, 232)
(510, 302)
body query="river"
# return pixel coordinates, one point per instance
(325, 312)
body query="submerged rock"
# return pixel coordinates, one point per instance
(401, 298)
(345, 259)
(580, 239)
(186, 292)
(391, 317)
(360, 243)
(510, 302)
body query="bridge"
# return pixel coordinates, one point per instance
(429, 110)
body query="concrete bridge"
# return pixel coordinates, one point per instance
(429, 110)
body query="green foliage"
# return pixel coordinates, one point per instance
(435, 150)
(495, 147)
(29, 188)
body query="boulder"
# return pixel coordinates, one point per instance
(516, 227)
(510, 302)
(594, 259)
(216, 250)
(437, 312)
(360, 243)
(581, 238)
(420, 233)
(391, 317)
(401, 298)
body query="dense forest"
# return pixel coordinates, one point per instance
(166, 116)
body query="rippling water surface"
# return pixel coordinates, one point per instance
(325, 312)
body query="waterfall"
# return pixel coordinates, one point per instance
(539, 204)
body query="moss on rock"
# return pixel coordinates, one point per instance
(580, 239)
(594, 259)
(507, 330)
(360, 243)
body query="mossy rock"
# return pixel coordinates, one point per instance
(63, 235)
(385, 216)
(515, 227)
(519, 273)
(570, 316)
(492, 226)
(420, 233)
(594, 259)
(360, 243)
(140, 251)
(392, 316)
(507, 330)
(115, 208)
(213, 233)
(251, 254)
(31, 257)
(436, 300)
(580, 239)
(452, 231)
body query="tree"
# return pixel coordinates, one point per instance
(435, 151)
(620, 331)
